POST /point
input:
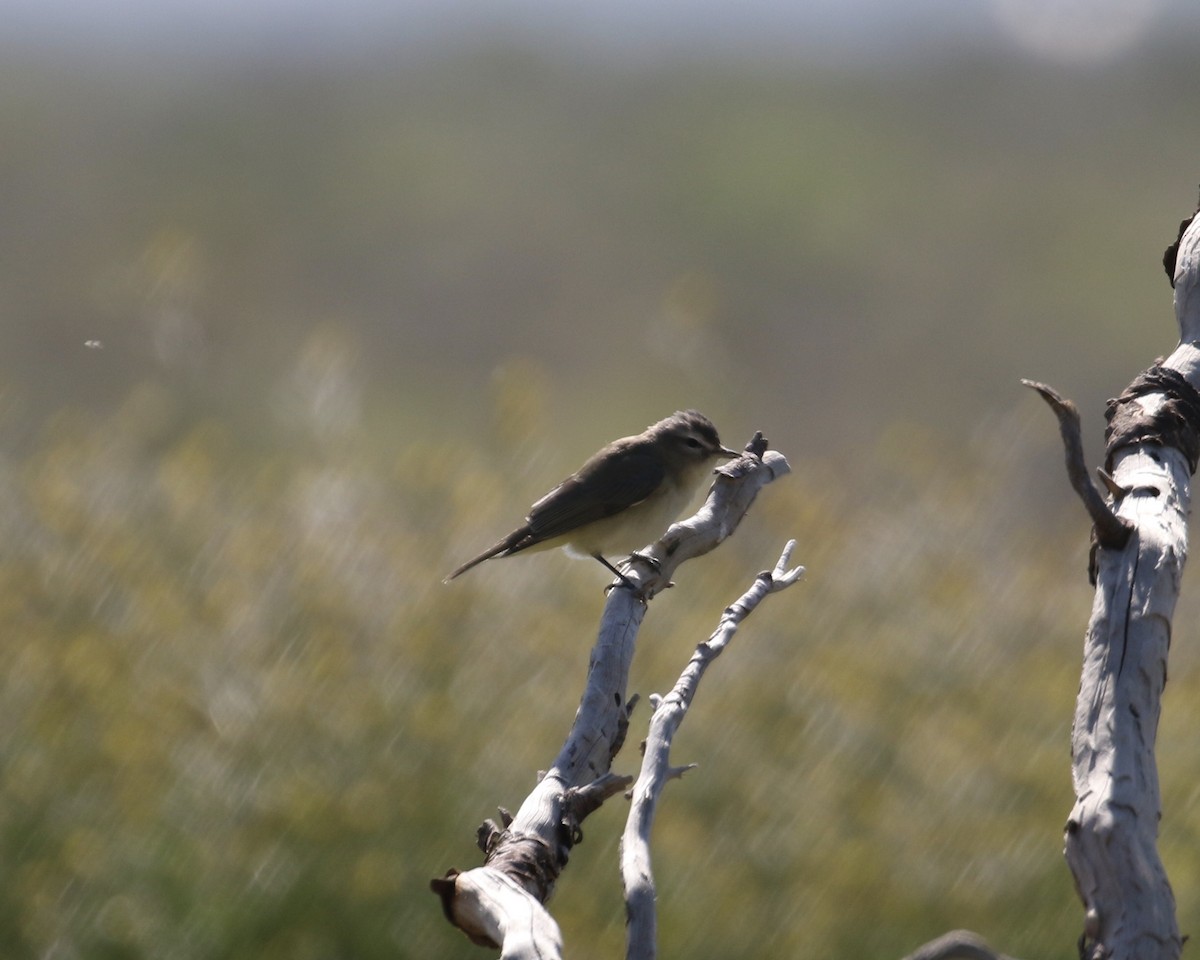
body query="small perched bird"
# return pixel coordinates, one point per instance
(623, 497)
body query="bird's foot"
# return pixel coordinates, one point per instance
(624, 581)
(648, 559)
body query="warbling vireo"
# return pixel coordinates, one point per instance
(623, 497)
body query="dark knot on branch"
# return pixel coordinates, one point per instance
(1174, 423)
(1171, 254)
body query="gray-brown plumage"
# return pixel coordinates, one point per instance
(623, 497)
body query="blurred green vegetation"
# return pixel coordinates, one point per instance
(348, 318)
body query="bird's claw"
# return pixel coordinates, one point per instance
(646, 558)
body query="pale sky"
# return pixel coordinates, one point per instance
(1070, 30)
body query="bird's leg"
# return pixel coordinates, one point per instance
(619, 575)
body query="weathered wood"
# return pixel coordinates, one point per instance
(957, 945)
(532, 850)
(494, 910)
(1112, 832)
(669, 711)
(1111, 530)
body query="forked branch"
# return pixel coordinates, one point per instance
(502, 902)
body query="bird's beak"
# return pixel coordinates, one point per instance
(726, 452)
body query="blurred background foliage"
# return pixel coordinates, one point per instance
(288, 332)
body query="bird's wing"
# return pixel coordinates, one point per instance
(603, 486)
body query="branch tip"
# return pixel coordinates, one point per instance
(1112, 531)
(781, 576)
(1060, 404)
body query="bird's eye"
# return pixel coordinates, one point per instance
(693, 443)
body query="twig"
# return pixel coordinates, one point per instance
(669, 711)
(1111, 531)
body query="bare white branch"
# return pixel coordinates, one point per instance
(957, 945)
(1112, 832)
(669, 711)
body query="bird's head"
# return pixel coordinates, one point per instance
(689, 437)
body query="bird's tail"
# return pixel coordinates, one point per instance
(509, 544)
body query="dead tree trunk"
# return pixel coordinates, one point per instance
(1138, 558)
(1138, 552)
(502, 903)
